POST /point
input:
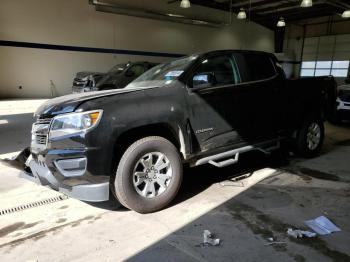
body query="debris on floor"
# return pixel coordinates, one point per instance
(208, 239)
(274, 242)
(237, 181)
(322, 226)
(297, 233)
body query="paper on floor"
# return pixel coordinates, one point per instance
(322, 225)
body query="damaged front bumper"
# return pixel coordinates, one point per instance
(83, 187)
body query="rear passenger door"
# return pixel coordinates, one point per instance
(261, 93)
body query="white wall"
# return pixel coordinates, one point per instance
(76, 23)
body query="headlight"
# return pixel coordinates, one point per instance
(74, 123)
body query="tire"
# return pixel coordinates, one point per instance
(136, 191)
(310, 137)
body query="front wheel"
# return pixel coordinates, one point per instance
(149, 175)
(310, 137)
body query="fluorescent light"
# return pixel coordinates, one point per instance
(175, 15)
(346, 14)
(242, 14)
(185, 4)
(306, 3)
(200, 22)
(281, 22)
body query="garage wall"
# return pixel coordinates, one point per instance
(76, 23)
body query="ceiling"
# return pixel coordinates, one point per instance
(267, 12)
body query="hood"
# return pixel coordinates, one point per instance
(84, 74)
(68, 103)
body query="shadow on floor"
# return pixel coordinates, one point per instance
(245, 222)
(198, 179)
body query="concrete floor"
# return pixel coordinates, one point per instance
(279, 194)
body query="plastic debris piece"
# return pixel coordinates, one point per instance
(322, 226)
(276, 243)
(270, 239)
(208, 239)
(297, 233)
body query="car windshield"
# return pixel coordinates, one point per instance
(117, 69)
(163, 74)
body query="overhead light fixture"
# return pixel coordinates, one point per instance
(306, 3)
(185, 4)
(175, 15)
(242, 14)
(281, 22)
(346, 14)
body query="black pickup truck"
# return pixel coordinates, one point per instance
(207, 108)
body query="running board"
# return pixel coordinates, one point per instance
(214, 160)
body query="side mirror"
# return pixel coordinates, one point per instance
(130, 73)
(203, 80)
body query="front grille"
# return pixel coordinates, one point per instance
(43, 121)
(40, 131)
(80, 83)
(41, 139)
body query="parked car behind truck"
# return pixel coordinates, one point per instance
(342, 106)
(117, 77)
(201, 109)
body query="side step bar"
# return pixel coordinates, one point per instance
(214, 159)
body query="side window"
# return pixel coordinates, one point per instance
(259, 67)
(220, 68)
(135, 71)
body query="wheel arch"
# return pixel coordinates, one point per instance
(125, 139)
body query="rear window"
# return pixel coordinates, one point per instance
(259, 67)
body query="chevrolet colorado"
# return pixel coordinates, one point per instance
(206, 108)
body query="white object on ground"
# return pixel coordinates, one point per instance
(322, 226)
(208, 239)
(297, 233)
(276, 243)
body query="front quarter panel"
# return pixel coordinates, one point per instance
(163, 105)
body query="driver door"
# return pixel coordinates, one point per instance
(211, 97)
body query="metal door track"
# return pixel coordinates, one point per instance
(33, 204)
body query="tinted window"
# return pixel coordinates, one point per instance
(137, 70)
(117, 69)
(222, 67)
(259, 67)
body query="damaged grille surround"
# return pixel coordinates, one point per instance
(40, 131)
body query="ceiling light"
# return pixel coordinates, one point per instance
(281, 22)
(346, 14)
(242, 14)
(185, 4)
(306, 3)
(175, 15)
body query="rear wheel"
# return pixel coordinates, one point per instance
(149, 175)
(310, 137)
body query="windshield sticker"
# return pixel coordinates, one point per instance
(174, 73)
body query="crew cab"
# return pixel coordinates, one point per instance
(206, 108)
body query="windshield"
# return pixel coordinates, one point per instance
(117, 69)
(163, 74)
